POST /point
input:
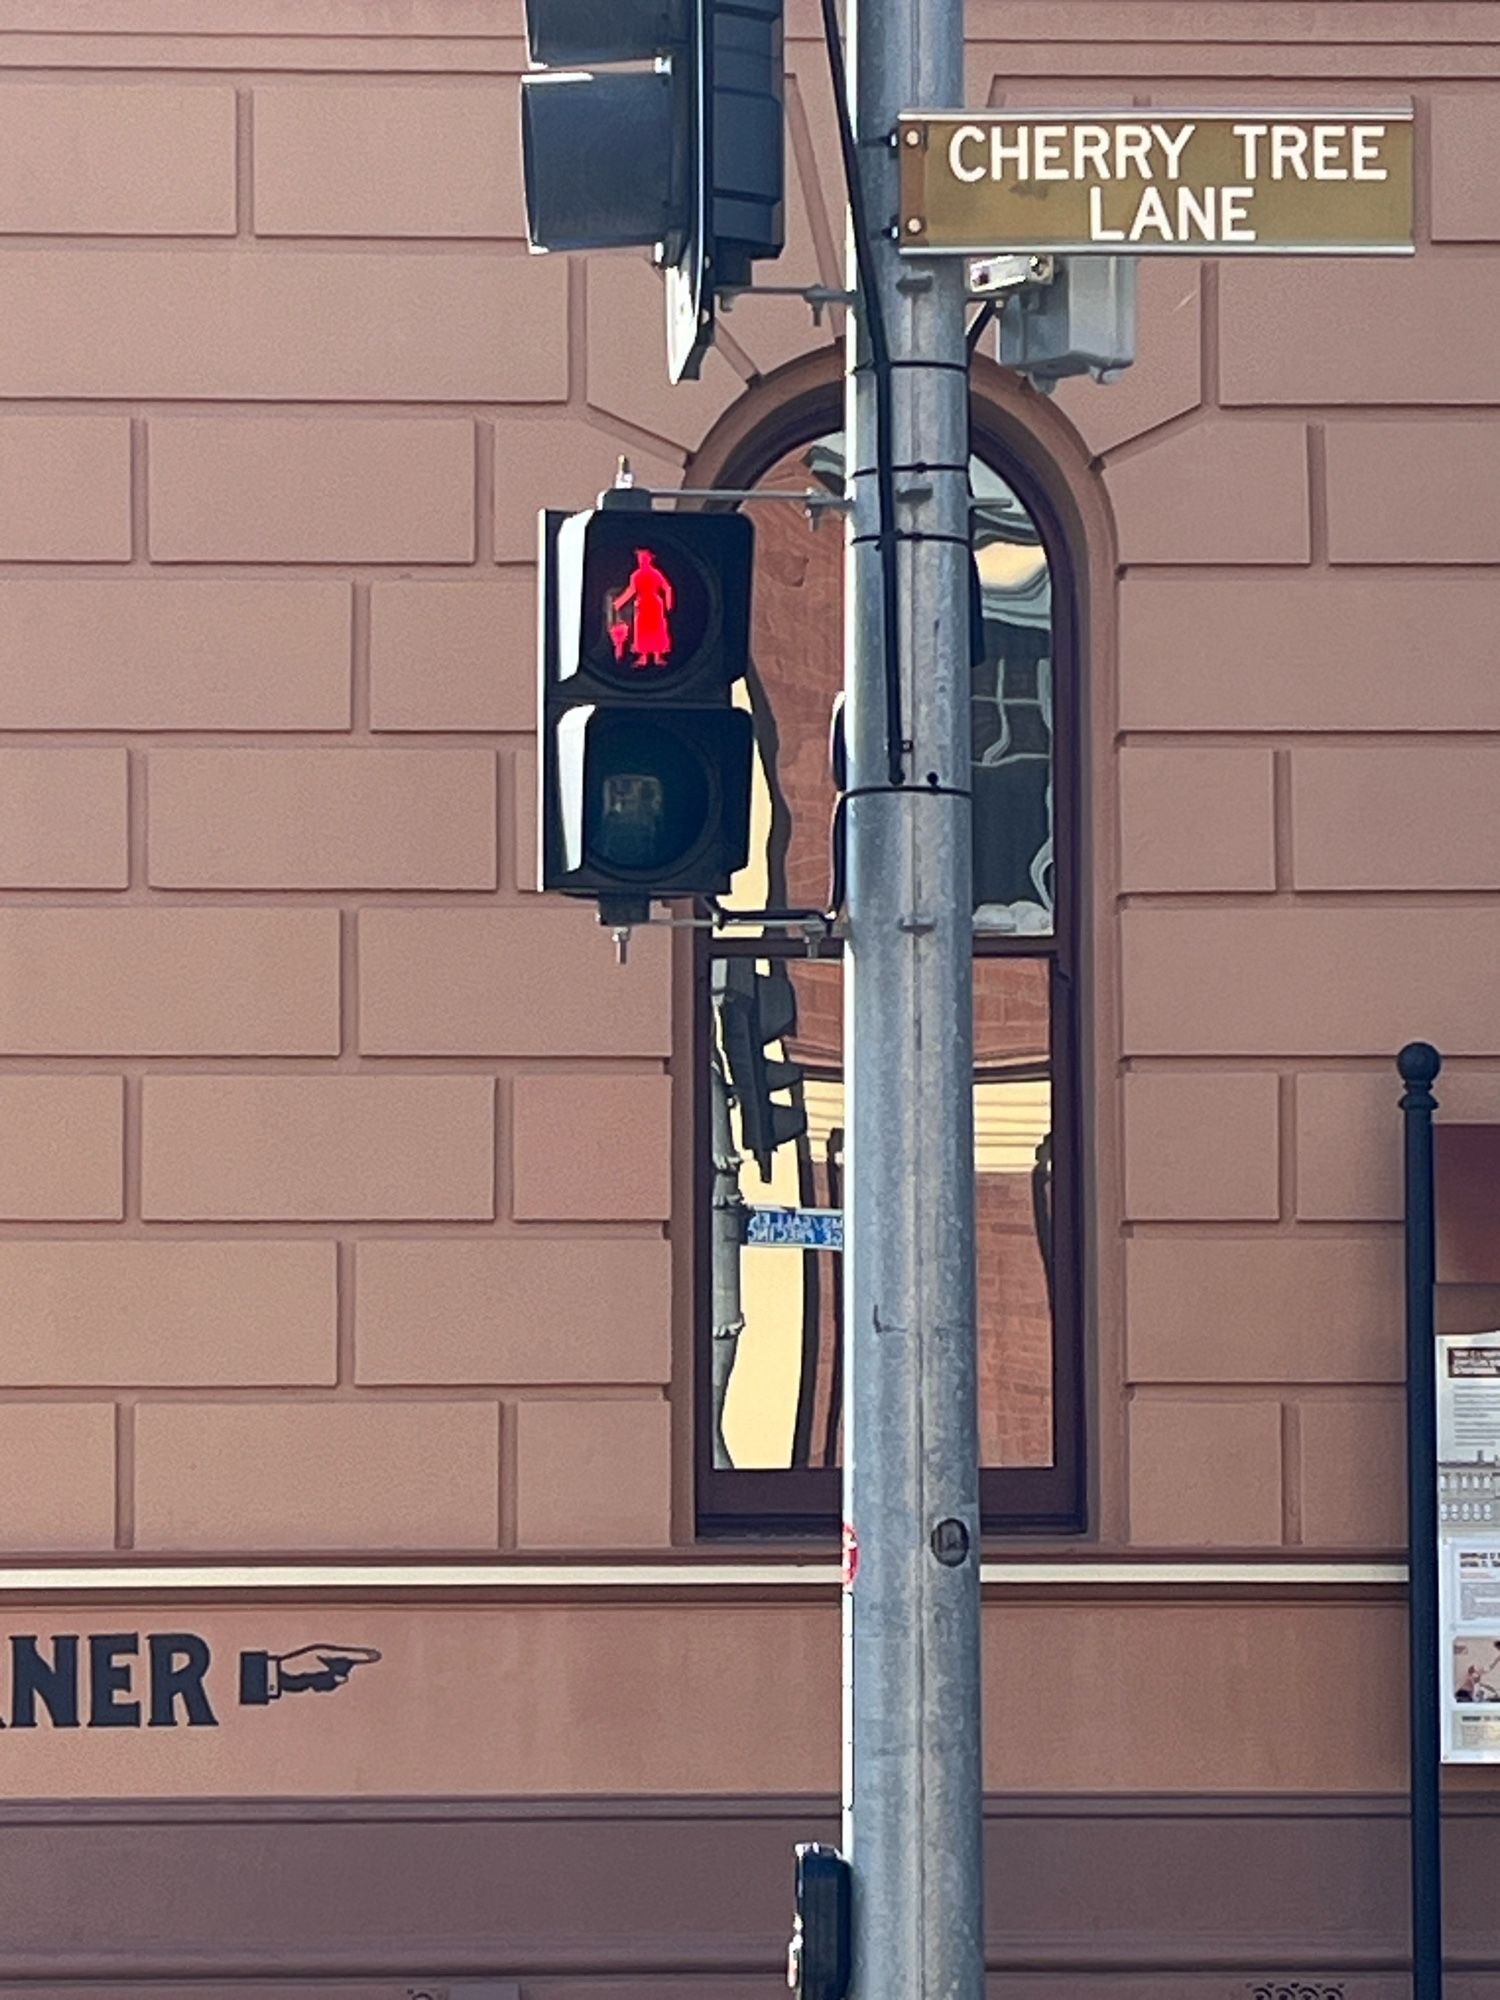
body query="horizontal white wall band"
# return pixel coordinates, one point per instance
(563, 1578)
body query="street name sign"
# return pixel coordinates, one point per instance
(1203, 183)
(796, 1228)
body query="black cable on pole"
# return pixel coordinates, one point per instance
(981, 320)
(880, 358)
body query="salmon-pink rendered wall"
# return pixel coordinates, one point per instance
(335, 1167)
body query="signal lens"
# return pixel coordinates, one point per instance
(649, 796)
(648, 608)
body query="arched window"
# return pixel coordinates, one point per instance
(769, 1034)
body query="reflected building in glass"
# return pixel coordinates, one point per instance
(778, 1381)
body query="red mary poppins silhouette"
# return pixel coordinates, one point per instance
(652, 595)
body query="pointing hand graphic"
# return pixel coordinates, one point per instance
(317, 1669)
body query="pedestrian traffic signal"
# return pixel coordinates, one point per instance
(644, 780)
(757, 1008)
(686, 156)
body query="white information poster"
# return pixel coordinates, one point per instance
(1468, 1398)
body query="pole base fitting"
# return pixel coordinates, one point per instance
(819, 1958)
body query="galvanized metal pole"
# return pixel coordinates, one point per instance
(911, 1620)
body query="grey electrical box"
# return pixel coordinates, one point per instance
(1082, 322)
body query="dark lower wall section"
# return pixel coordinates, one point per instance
(1118, 1898)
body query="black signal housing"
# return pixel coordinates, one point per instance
(685, 156)
(644, 773)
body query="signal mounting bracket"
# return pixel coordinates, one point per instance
(818, 927)
(818, 297)
(812, 500)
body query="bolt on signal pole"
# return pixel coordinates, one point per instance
(912, 1775)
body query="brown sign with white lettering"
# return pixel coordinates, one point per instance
(1125, 183)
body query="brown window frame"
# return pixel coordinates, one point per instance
(745, 1503)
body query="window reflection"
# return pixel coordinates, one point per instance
(777, 1309)
(1012, 715)
(780, 1403)
(797, 670)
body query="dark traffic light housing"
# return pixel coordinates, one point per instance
(756, 1008)
(686, 156)
(644, 783)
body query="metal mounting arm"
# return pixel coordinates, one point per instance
(818, 297)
